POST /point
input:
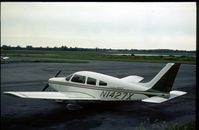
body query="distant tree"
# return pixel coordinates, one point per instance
(4, 47)
(29, 47)
(18, 47)
(64, 48)
(75, 49)
(71, 49)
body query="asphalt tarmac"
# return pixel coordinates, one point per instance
(18, 113)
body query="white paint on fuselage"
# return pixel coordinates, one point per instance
(62, 85)
(112, 81)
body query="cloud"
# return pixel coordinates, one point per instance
(98, 24)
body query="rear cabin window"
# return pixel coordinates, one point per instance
(91, 81)
(68, 77)
(78, 79)
(102, 83)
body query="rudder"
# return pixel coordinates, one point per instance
(164, 80)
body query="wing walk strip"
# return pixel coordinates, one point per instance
(148, 93)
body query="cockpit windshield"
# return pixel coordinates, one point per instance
(78, 78)
(68, 77)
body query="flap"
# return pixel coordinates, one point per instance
(53, 95)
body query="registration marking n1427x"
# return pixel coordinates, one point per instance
(119, 95)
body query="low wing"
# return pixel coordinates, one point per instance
(133, 78)
(53, 95)
(156, 99)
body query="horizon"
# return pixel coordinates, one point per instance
(115, 25)
(92, 48)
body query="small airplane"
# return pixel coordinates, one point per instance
(92, 86)
(3, 58)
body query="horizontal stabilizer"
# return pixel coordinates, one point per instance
(156, 99)
(132, 79)
(52, 95)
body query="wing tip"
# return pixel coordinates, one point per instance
(18, 94)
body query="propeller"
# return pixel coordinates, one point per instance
(47, 85)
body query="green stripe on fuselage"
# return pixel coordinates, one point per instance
(147, 93)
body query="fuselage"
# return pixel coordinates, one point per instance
(87, 86)
(99, 86)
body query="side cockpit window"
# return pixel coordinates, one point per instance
(91, 81)
(78, 79)
(102, 83)
(68, 77)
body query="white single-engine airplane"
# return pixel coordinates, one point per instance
(4, 58)
(92, 86)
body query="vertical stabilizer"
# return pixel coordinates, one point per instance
(164, 80)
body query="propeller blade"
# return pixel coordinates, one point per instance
(47, 85)
(58, 73)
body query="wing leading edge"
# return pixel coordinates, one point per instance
(53, 95)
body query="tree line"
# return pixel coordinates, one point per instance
(65, 48)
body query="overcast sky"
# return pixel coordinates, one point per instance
(104, 25)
